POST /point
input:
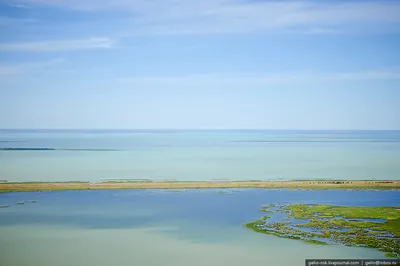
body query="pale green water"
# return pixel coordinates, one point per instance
(161, 228)
(196, 227)
(36, 246)
(199, 155)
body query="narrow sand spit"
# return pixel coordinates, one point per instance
(312, 184)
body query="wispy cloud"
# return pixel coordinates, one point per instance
(58, 45)
(19, 6)
(383, 74)
(317, 31)
(268, 78)
(221, 16)
(22, 68)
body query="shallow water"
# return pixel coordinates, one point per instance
(92, 155)
(140, 227)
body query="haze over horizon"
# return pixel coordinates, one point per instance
(198, 129)
(174, 64)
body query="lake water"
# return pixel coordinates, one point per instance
(93, 155)
(159, 227)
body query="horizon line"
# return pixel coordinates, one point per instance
(204, 129)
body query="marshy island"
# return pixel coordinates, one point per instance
(371, 227)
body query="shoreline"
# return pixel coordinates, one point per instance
(309, 184)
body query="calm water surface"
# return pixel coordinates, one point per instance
(159, 227)
(92, 155)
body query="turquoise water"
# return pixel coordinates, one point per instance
(93, 155)
(158, 227)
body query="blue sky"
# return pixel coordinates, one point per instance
(200, 64)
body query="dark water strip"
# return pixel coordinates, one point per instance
(53, 149)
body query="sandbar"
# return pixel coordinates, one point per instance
(311, 184)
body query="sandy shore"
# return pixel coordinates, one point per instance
(376, 184)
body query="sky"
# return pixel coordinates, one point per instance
(200, 64)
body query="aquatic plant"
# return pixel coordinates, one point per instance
(372, 227)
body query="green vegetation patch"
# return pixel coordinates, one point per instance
(372, 227)
(303, 211)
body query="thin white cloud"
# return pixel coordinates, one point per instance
(226, 16)
(58, 45)
(318, 31)
(22, 68)
(367, 75)
(19, 6)
(269, 78)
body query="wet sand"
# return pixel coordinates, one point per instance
(312, 184)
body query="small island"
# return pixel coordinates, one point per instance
(372, 227)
